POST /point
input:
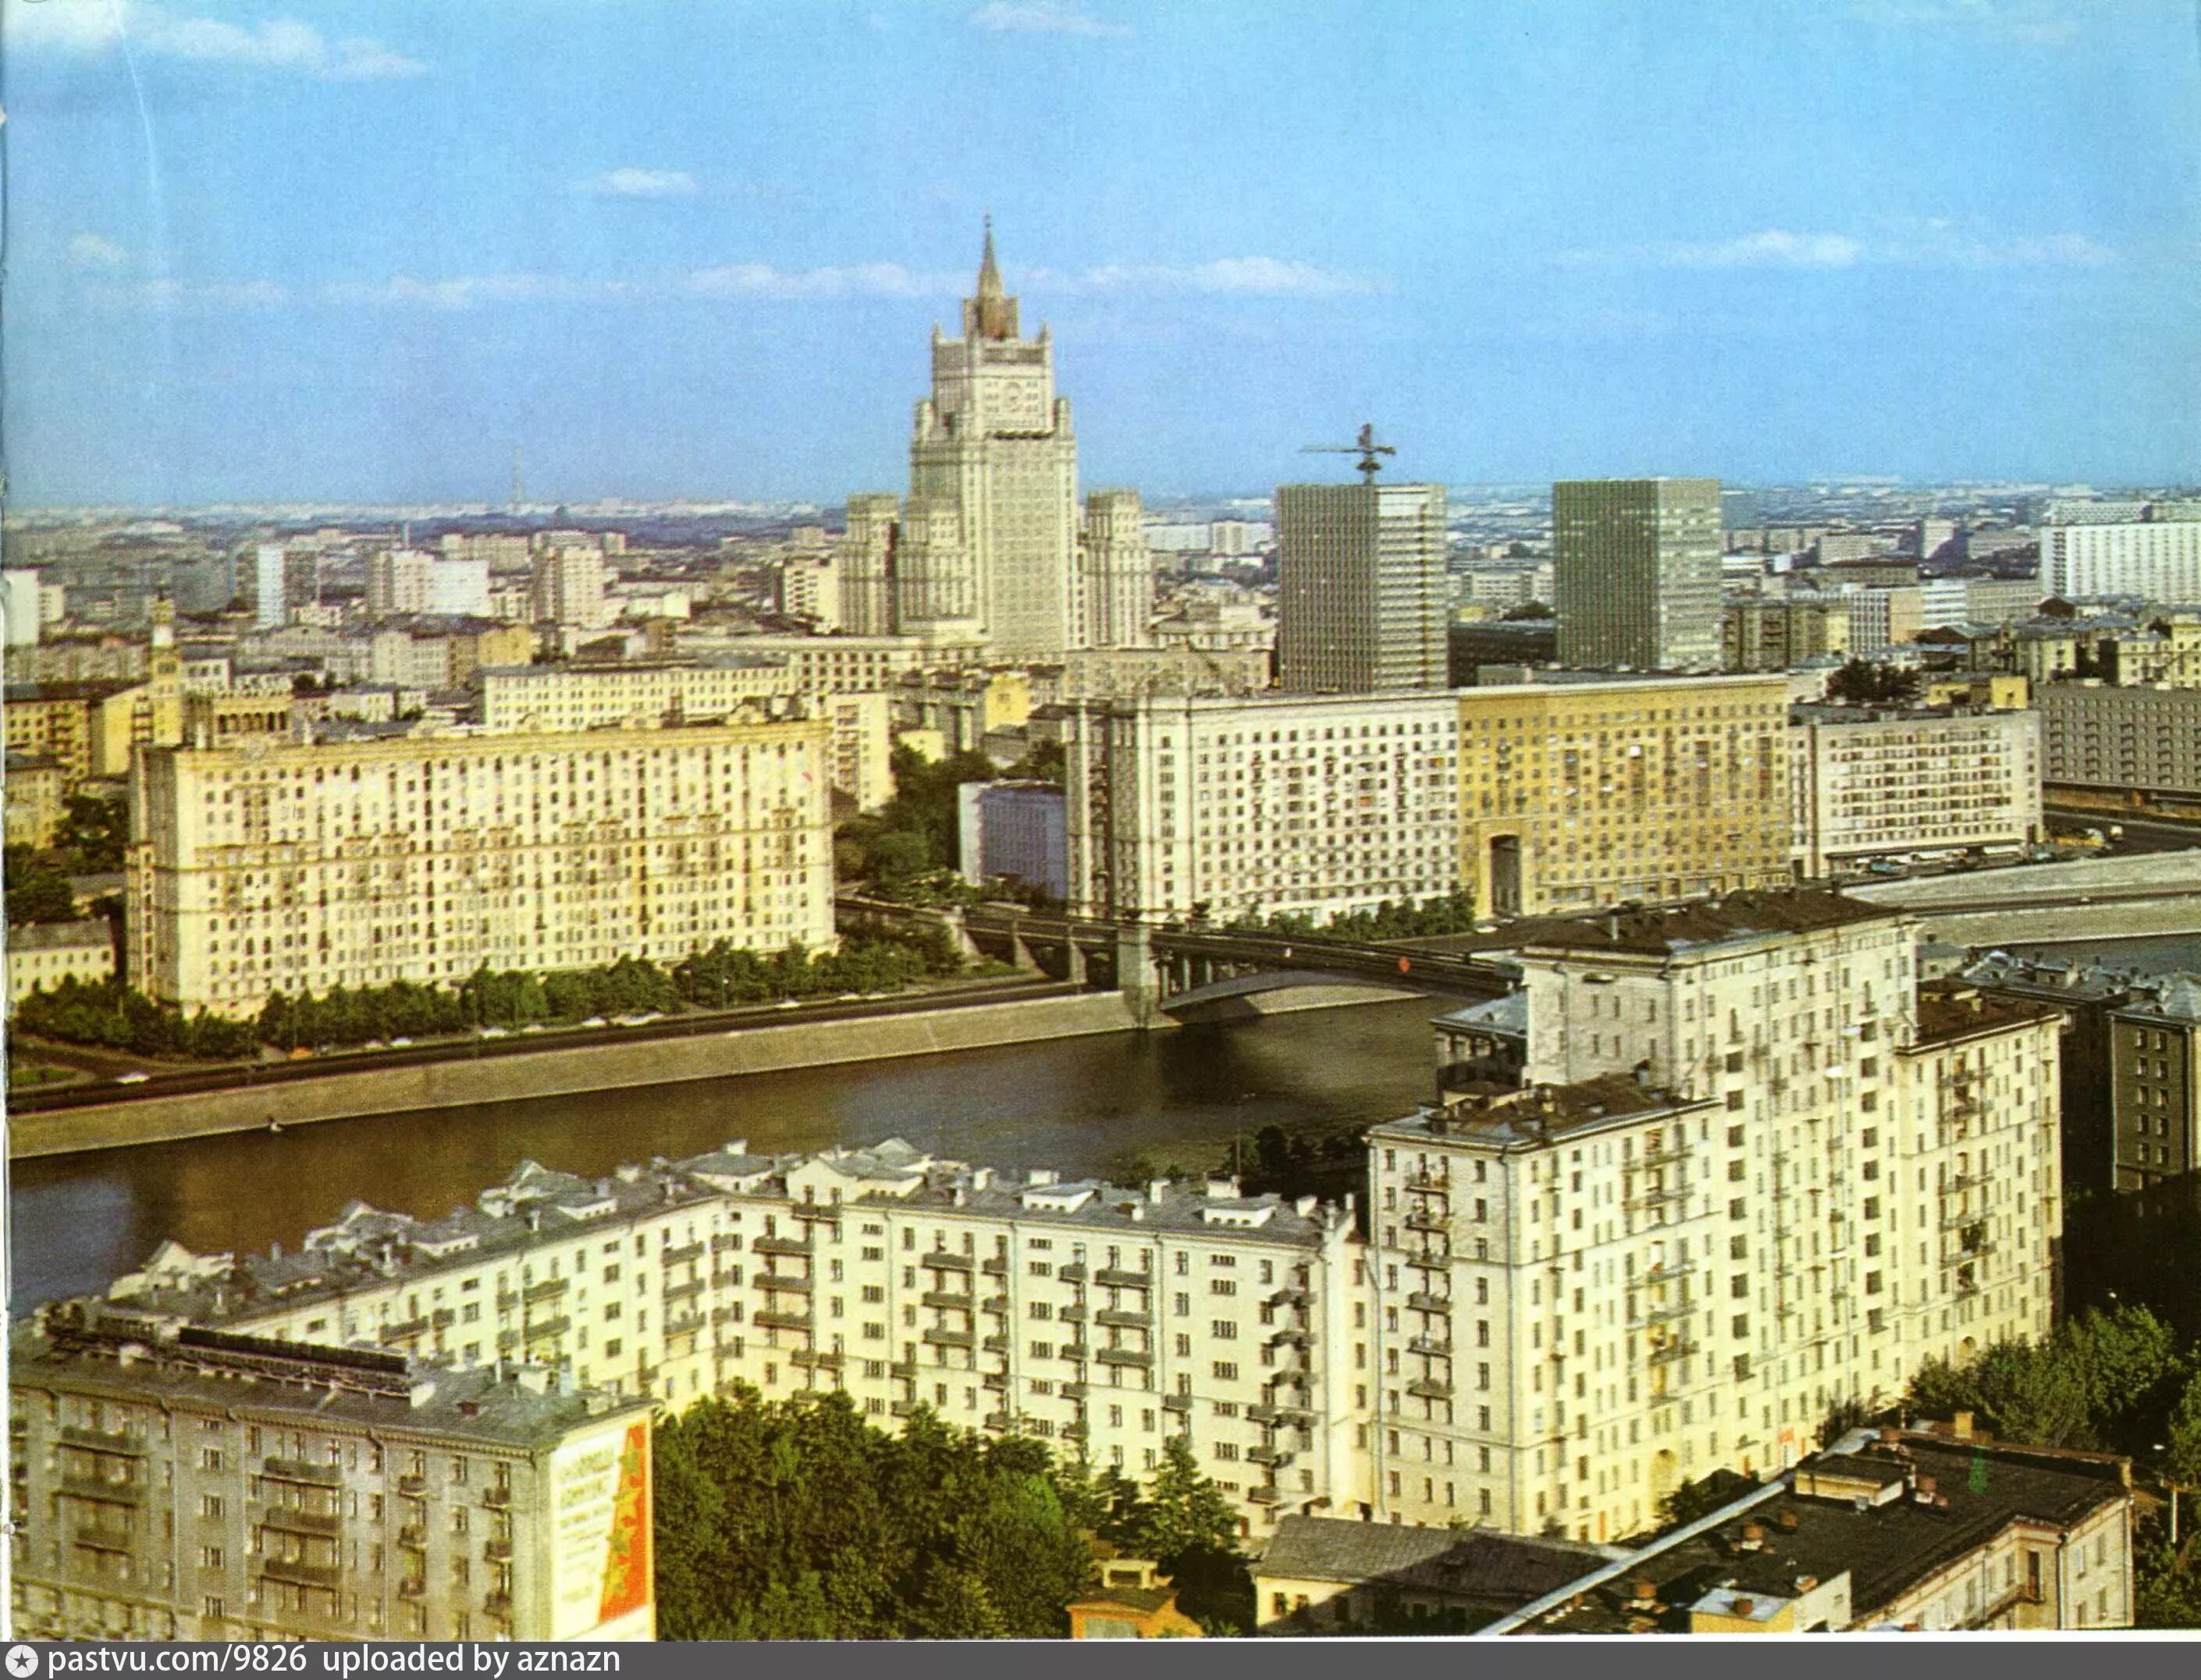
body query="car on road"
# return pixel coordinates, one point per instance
(596, 1021)
(401, 1043)
(639, 1018)
(789, 1004)
(493, 1032)
(133, 1077)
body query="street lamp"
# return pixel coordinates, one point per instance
(2163, 1453)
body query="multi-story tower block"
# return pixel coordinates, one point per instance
(1754, 1171)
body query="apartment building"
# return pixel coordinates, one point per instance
(1883, 617)
(864, 664)
(1754, 1171)
(1636, 572)
(1932, 1531)
(1576, 794)
(1312, 805)
(2154, 1095)
(1875, 782)
(36, 790)
(176, 1481)
(357, 862)
(2142, 741)
(2157, 559)
(1097, 1318)
(1774, 632)
(43, 954)
(633, 693)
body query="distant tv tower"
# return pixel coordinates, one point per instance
(516, 496)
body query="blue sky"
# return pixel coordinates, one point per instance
(263, 249)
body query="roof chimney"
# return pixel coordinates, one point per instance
(1743, 1607)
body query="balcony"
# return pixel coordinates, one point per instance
(99, 1488)
(998, 1305)
(1075, 1273)
(730, 1278)
(1428, 1388)
(1436, 1225)
(1290, 1336)
(1265, 1495)
(442, 1319)
(1428, 1184)
(1290, 1296)
(1122, 1318)
(549, 1330)
(1077, 1430)
(292, 1520)
(681, 1291)
(104, 1537)
(901, 1408)
(1433, 1347)
(297, 1572)
(506, 1299)
(498, 1498)
(412, 1586)
(903, 1368)
(998, 1381)
(996, 1344)
(997, 1421)
(939, 1336)
(1074, 1390)
(1423, 1302)
(499, 1604)
(818, 1210)
(300, 1470)
(939, 1260)
(786, 1281)
(1074, 1350)
(413, 1535)
(1123, 1357)
(1666, 1271)
(686, 1324)
(782, 1245)
(776, 1320)
(497, 1550)
(548, 1290)
(824, 1359)
(413, 1487)
(681, 1255)
(951, 1299)
(403, 1332)
(726, 1243)
(1671, 1353)
(1177, 1402)
(1661, 1312)
(1263, 1414)
(506, 1340)
(1114, 1277)
(725, 1315)
(997, 1267)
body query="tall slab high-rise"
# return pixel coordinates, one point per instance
(1636, 571)
(989, 545)
(1360, 598)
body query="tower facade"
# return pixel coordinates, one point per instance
(993, 489)
(1636, 571)
(866, 560)
(1117, 573)
(1360, 597)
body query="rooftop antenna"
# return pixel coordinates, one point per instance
(1365, 446)
(516, 497)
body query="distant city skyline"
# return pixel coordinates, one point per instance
(357, 253)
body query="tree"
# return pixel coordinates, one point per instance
(94, 835)
(1528, 609)
(2184, 1461)
(1700, 1498)
(1861, 682)
(37, 891)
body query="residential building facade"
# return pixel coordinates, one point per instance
(1872, 783)
(1753, 1171)
(2145, 742)
(176, 1482)
(425, 856)
(2154, 559)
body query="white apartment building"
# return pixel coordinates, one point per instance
(1870, 783)
(810, 587)
(1098, 1318)
(1319, 806)
(568, 581)
(2157, 559)
(2121, 739)
(256, 868)
(1752, 1173)
(636, 694)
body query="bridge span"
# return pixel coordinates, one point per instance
(1156, 965)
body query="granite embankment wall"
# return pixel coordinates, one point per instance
(556, 1071)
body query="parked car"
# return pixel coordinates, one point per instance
(132, 1078)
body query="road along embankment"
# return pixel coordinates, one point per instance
(556, 1072)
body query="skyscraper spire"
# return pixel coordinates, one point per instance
(993, 313)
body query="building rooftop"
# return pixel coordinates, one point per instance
(1888, 1514)
(367, 1247)
(95, 1349)
(1482, 1563)
(1662, 930)
(92, 933)
(1506, 1016)
(1503, 1117)
(1948, 1012)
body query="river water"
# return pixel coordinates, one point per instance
(77, 1221)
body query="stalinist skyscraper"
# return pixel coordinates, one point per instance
(987, 545)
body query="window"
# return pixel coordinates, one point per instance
(1223, 1331)
(1225, 1371)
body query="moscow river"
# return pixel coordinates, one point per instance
(1181, 1096)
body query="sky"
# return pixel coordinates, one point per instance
(289, 250)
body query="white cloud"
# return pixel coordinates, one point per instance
(168, 295)
(465, 291)
(1907, 242)
(870, 280)
(94, 250)
(1261, 276)
(275, 43)
(1040, 17)
(633, 183)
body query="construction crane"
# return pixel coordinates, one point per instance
(1365, 446)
